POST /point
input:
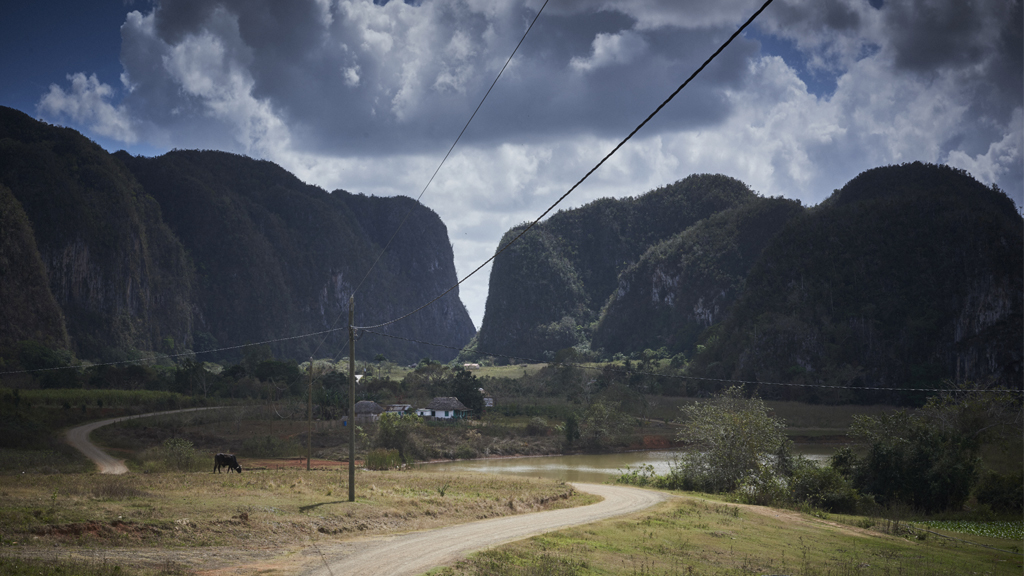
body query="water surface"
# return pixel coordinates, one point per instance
(586, 467)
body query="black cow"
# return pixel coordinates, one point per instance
(226, 460)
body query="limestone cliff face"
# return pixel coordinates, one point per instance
(685, 284)
(120, 277)
(201, 250)
(29, 311)
(546, 291)
(908, 276)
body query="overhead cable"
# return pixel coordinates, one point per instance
(443, 160)
(587, 175)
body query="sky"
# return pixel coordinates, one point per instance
(368, 96)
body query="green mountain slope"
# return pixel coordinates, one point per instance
(547, 289)
(685, 284)
(118, 274)
(29, 311)
(199, 250)
(906, 276)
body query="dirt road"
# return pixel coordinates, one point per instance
(417, 552)
(78, 437)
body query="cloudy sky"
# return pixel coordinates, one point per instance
(366, 97)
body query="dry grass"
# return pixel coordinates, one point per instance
(273, 508)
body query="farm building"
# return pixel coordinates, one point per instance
(368, 411)
(444, 408)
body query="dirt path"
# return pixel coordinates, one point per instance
(417, 552)
(78, 437)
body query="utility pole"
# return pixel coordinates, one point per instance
(309, 416)
(351, 399)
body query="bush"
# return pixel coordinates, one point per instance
(537, 426)
(1001, 493)
(823, 488)
(465, 452)
(764, 488)
(383, 459)
(174, 455)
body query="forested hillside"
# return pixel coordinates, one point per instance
(199, 250)
(908, 276)
(547, 290)
(685, 284)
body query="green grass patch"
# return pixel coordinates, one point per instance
(1006, 529)
(691, 536)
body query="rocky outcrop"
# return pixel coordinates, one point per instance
(207, 250)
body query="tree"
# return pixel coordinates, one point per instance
(735, 438)
(911, 462)
(572, 429)
(601, 423)
(394, 431)
(466, 388)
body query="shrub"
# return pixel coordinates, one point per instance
(764, 488)
(823, 488)
(537, 426)
(1001, 493)
(174, 455)
(383, 459)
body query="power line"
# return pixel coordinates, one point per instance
(171, 356)
(587, 175)
(443, 160)
(610, 368)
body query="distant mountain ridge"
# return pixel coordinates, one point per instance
(907, 276)
(198, 250)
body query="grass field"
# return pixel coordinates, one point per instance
(277, 507)
(692, 535)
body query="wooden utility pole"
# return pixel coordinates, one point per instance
(309, 416)
(351, 399)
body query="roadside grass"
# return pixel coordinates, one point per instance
(13, 566)
(268, 507)
(694, 536)
(60, 459)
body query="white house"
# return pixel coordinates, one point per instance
(444, 408)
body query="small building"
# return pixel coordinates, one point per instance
(471, 366)
(400, 409)
(488, 402)
(444, 408)
(368, 411)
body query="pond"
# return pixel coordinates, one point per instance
(587, 467)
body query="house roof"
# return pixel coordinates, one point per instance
(368, 407)
(446, 403)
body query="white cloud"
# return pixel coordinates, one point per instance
(88, 104)
(611, 49)
(349, 94)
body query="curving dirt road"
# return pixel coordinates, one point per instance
(417, 552)
(78, 437)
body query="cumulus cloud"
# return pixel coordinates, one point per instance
(88, 104)
(610, 49)
(366, 97)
